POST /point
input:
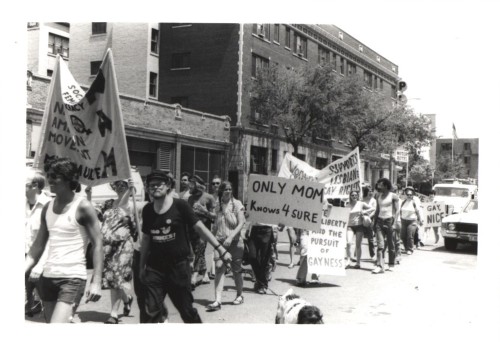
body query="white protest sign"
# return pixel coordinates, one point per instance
(433, 213)
(326, 249)
(401, 156)
(342, 176)
(85, 127)
(294, 203)
(339, 178)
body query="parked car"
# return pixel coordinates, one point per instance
(461, 227)
(455, 196)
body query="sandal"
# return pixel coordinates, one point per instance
(111, 320)
(127, 306)
(239, 300)
(213, 307)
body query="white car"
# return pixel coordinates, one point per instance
(461, 227)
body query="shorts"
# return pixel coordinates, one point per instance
(67, 290)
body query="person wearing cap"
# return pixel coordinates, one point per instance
(203, 205)
(411, 217)
(165, 249)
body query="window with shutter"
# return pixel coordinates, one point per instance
(165, 157)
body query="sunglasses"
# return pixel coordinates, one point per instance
(154, 186)
(216, 183)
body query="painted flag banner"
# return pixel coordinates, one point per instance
(326, 248)
(85, 127)
(339, 178)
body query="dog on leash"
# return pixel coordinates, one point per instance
(294, 310)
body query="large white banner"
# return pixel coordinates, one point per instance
(85, 127)
(326, 249)
(339, 178)
(275, 200)
(433, 213)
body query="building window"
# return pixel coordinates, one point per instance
(99, 28)
(375, 82)
(301, 156)
(182, 100)
(202, 162)
(288, 37)
(154, 40)
(58, 45)
(262, 30)
(360, 48)
(466, 160)
(276, 33)
(323, 55)
(258, 158)
(300, 46)
(351, 68)
(94, 67)
(381, 84)
(258, 63)
(341, 35)
(368, 77)
(446, 147)
(274, 159)
(49, 72)
(342, 62)
(181, 60)
(333, 59)
(321, 163)
(153, 84)
(466, 146)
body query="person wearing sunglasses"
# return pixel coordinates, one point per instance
(165, 249)
(67, 223)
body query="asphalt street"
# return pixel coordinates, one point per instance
(431, 286)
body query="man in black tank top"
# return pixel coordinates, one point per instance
(165, 251)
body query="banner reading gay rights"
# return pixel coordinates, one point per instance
(339, 178)
(85, 127)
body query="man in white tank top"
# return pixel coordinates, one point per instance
(67, 222)
(385, 220)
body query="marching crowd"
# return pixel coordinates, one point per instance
(168, 254)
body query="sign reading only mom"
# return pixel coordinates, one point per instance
(292, 202)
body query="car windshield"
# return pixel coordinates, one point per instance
(472, 205)
(452, 192)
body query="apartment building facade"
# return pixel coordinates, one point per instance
(210, 67)
(159, 135)
(465, 149)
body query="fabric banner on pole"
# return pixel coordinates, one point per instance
(85, 127)
(326, 248)
(339, 178)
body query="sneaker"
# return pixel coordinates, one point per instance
(377, 270)
(389, 268)
(410, 252)
(261, 290)
(291, 265)
(239, 300)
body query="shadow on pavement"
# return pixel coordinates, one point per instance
(93, 316)
(462, 248)
(309, 285)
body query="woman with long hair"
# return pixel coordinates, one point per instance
(118, 229)
(358, 209)
(229, 221)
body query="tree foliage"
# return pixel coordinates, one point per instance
(445, 168)
(316, 102)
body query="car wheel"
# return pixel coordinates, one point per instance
(450, 244)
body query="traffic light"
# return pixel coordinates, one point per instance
(401, 87)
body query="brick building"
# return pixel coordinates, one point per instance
(159, 135)
(209, 67)
(466, 149)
